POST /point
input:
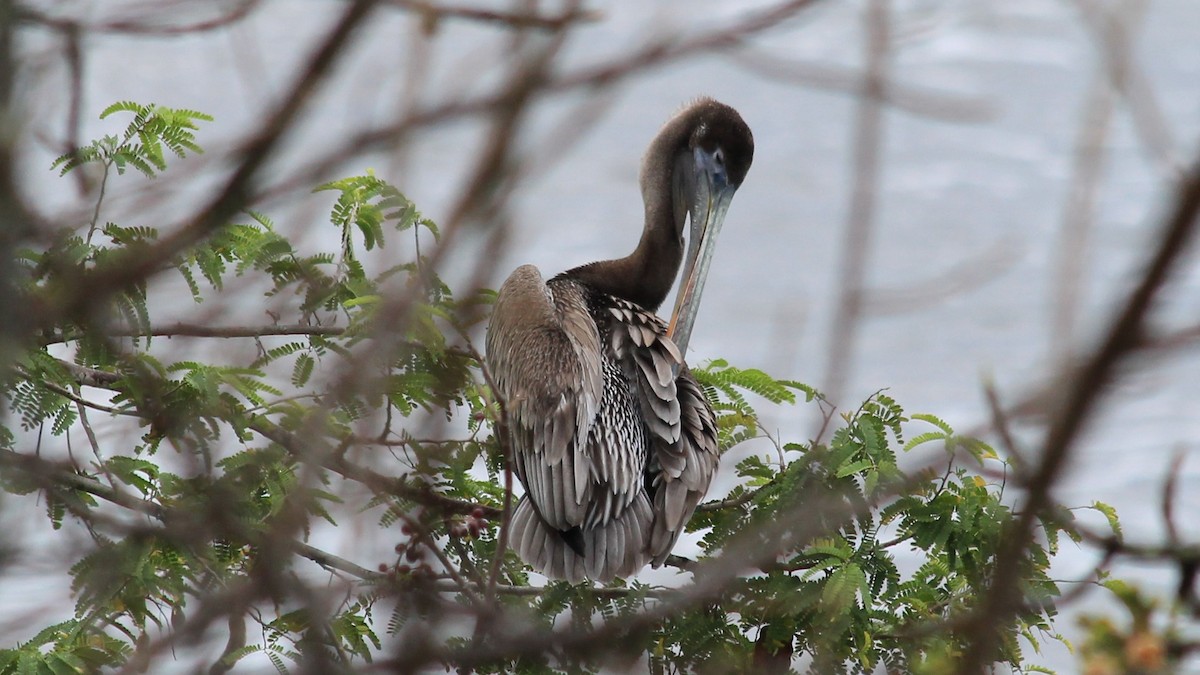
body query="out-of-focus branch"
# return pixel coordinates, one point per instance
(73, 55)
(1034, 403)
(1170, 484)
(1112, 29)
(640, 60)
(15, 223)
(432, 12)
(856, 244)
(1117, 75)
(1185, 554)
(207, 331)
(1072, 407)
(1077, 222)
(1168, 341)
(912, 98)
(961, 277)
(163, 24)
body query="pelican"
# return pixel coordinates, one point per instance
(611, 436)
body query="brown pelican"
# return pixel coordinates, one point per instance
(611, 436)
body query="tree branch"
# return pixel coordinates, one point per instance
(1076, 401)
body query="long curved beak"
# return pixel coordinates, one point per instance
(713, 194)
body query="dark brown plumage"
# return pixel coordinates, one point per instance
(612, 437)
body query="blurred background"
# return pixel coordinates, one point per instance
(973, 221)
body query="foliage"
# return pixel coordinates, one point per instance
(1141, 647)
(864, 558)
(142, 144)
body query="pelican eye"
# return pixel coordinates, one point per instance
(719, 157)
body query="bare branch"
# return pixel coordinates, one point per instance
(912, 98)
(1084, 387)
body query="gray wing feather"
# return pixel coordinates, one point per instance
(694, 458)
(543, 351)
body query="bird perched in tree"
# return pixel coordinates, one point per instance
(611, 436)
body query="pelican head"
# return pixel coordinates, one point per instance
(707, 174)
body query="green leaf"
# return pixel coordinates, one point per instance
(1110, 514)
(851, 468)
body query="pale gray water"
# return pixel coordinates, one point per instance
(950, 193)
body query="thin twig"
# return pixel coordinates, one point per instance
(1170, 485)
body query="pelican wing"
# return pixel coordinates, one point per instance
(687, 467)
(682, 429)
(543, 351)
